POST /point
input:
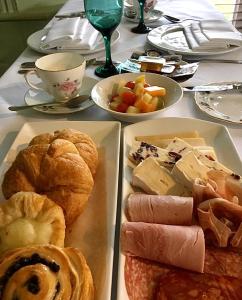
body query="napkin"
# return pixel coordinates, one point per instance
(211, 35)
(70, 34)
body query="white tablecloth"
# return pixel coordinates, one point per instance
(13, 86)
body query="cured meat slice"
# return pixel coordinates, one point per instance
(220, 261)
(142, 277)
(181, 246)
(170, 210)
(223, 219)
(182, 285)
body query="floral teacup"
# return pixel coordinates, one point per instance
(60, 73)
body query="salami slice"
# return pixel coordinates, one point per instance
(219, 261)
(142, 277)
(183, 285)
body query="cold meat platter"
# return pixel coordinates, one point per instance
(179, 258)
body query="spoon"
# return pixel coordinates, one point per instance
(72, 103)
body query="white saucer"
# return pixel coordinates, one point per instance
(34, 40)
(152, 16)
(224, 105)
(36, 96)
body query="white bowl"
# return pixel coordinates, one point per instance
(102, 92)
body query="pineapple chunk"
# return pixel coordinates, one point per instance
(133, 110)
(140, 79)
(155, 90)
(139, 89)
(123, 89)
(147, 98)
(113, 105)
(117, 99)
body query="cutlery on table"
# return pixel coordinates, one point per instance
(80, 14)
(216, 60)
(214, 88)
(72, 103)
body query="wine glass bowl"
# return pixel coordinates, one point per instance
(105, 16)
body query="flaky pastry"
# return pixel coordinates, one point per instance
(45, 273)
(27, 219)
(60, 165)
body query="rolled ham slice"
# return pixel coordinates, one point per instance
(181, 246)
(170, 210)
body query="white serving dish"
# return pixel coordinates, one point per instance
(214, 134)
(94, 230)
(102, 92)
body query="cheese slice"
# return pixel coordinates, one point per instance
(141, 151)
(179, 146)
(209, 162)
(188, 168)
(157, 180)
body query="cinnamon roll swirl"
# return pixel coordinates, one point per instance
(45, 273)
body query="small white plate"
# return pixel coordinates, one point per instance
(34, 40)
(224, 105)
(171, 38)
(152, 16)
(36, 96)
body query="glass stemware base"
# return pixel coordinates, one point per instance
(141, 28)
(106, 71)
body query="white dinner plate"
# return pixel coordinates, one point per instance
(224, 105)
(171, 38)
(214, 134)
(38, 96)
(34, 40)
(150, 17)
(94, 230)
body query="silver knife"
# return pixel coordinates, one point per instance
(214, 88)
(216, 60)
(80, 14)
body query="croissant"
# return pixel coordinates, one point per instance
(54, 165)
(45, 273)
(28, 218)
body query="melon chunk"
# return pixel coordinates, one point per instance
(155, 91)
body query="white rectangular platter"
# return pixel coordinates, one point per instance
(94, 230)
(214, 134)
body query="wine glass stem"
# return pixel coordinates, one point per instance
(107, 41)
(141, 4)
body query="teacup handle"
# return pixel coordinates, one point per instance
(29, 82)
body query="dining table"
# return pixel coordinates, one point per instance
(13, 86)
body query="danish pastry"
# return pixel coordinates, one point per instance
(60, 165)
(46, 273)
(27, 219)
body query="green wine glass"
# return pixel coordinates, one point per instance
(105, 16)
(141, 28)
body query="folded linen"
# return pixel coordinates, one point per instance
(70, 34)
(211, 35)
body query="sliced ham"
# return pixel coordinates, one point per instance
(222, 218)
(170, 210)
(181, 246)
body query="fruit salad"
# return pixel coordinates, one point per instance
(137, 97)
